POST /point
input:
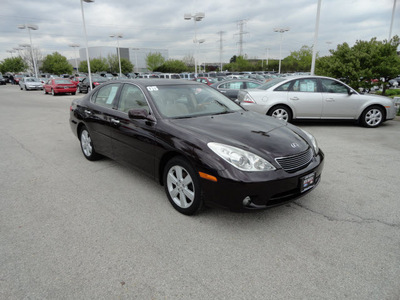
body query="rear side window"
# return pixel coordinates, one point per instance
(106, 94)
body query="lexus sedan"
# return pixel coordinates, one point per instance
(317, 97)
(30, 83)
(57, 86)
(201, 146)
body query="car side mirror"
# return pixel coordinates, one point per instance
(140, 114)
(351, 92)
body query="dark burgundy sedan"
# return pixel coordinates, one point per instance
(204, 148)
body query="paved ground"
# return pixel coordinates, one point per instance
(74, 229)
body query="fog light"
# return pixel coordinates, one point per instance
(246, 201)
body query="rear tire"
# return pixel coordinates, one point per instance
(87, 145)
(281, 112)
(182, 186)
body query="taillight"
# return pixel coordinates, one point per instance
(248, 99)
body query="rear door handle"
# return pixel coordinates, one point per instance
(330, 100)
(88, 112)
(294, 98)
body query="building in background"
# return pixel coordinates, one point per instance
(137, 56)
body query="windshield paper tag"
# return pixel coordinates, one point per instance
(152, 88)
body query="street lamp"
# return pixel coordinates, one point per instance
(86, 42)
(76, 60)
(118, 36)
(197, 17)
(29, 27)
(281, 31)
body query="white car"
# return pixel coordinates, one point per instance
(30, 83)
(317, 97)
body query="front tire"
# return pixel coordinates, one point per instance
(372, 117)
(182, 186)
(87, 145)
(281, 112)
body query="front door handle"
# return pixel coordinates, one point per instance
(330, 100)
(294, 98)
(115, 121)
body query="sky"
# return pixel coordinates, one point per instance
(160, 24)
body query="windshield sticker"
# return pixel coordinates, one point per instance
(152, 88)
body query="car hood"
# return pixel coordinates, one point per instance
(262, 135)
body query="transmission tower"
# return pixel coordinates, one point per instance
(241, 24)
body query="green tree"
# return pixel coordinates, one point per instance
(154, 60)
(298, 61)
(96, 65)
(13, 65)
(238, 64)
(126, 65)
(172, 66)
(360, 64)
(83, 66)
(56, 64)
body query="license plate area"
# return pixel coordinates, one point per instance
(307, 182)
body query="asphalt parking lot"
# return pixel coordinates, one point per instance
(74, 229)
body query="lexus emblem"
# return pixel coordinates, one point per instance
(294, 145)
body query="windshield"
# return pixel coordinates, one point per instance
(185, 101)
(62, 81)
(270, 83)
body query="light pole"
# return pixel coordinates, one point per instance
(391, 23)
(76, 60)
(281, 31)
(29, 27)
(197, 17)
(314, 51)
(118, 36)
(136, 66)
(86, 42)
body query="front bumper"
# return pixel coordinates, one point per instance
(34, 87)
(280, 188)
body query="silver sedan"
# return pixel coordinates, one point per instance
(317, 97)
(30, 83)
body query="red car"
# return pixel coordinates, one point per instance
(59, 86)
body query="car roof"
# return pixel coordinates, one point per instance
(157, 81)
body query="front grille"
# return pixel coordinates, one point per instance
(295, 162)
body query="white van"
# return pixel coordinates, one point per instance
(169, 76)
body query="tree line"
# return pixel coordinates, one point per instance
(361, 65)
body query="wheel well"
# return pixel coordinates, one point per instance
(374, 105)
(166, 157)
(284, 105)
(79, 129)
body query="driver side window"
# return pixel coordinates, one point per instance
(332, 86)
(132, 98)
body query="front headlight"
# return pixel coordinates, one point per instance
(313, 141)
(241, 159)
